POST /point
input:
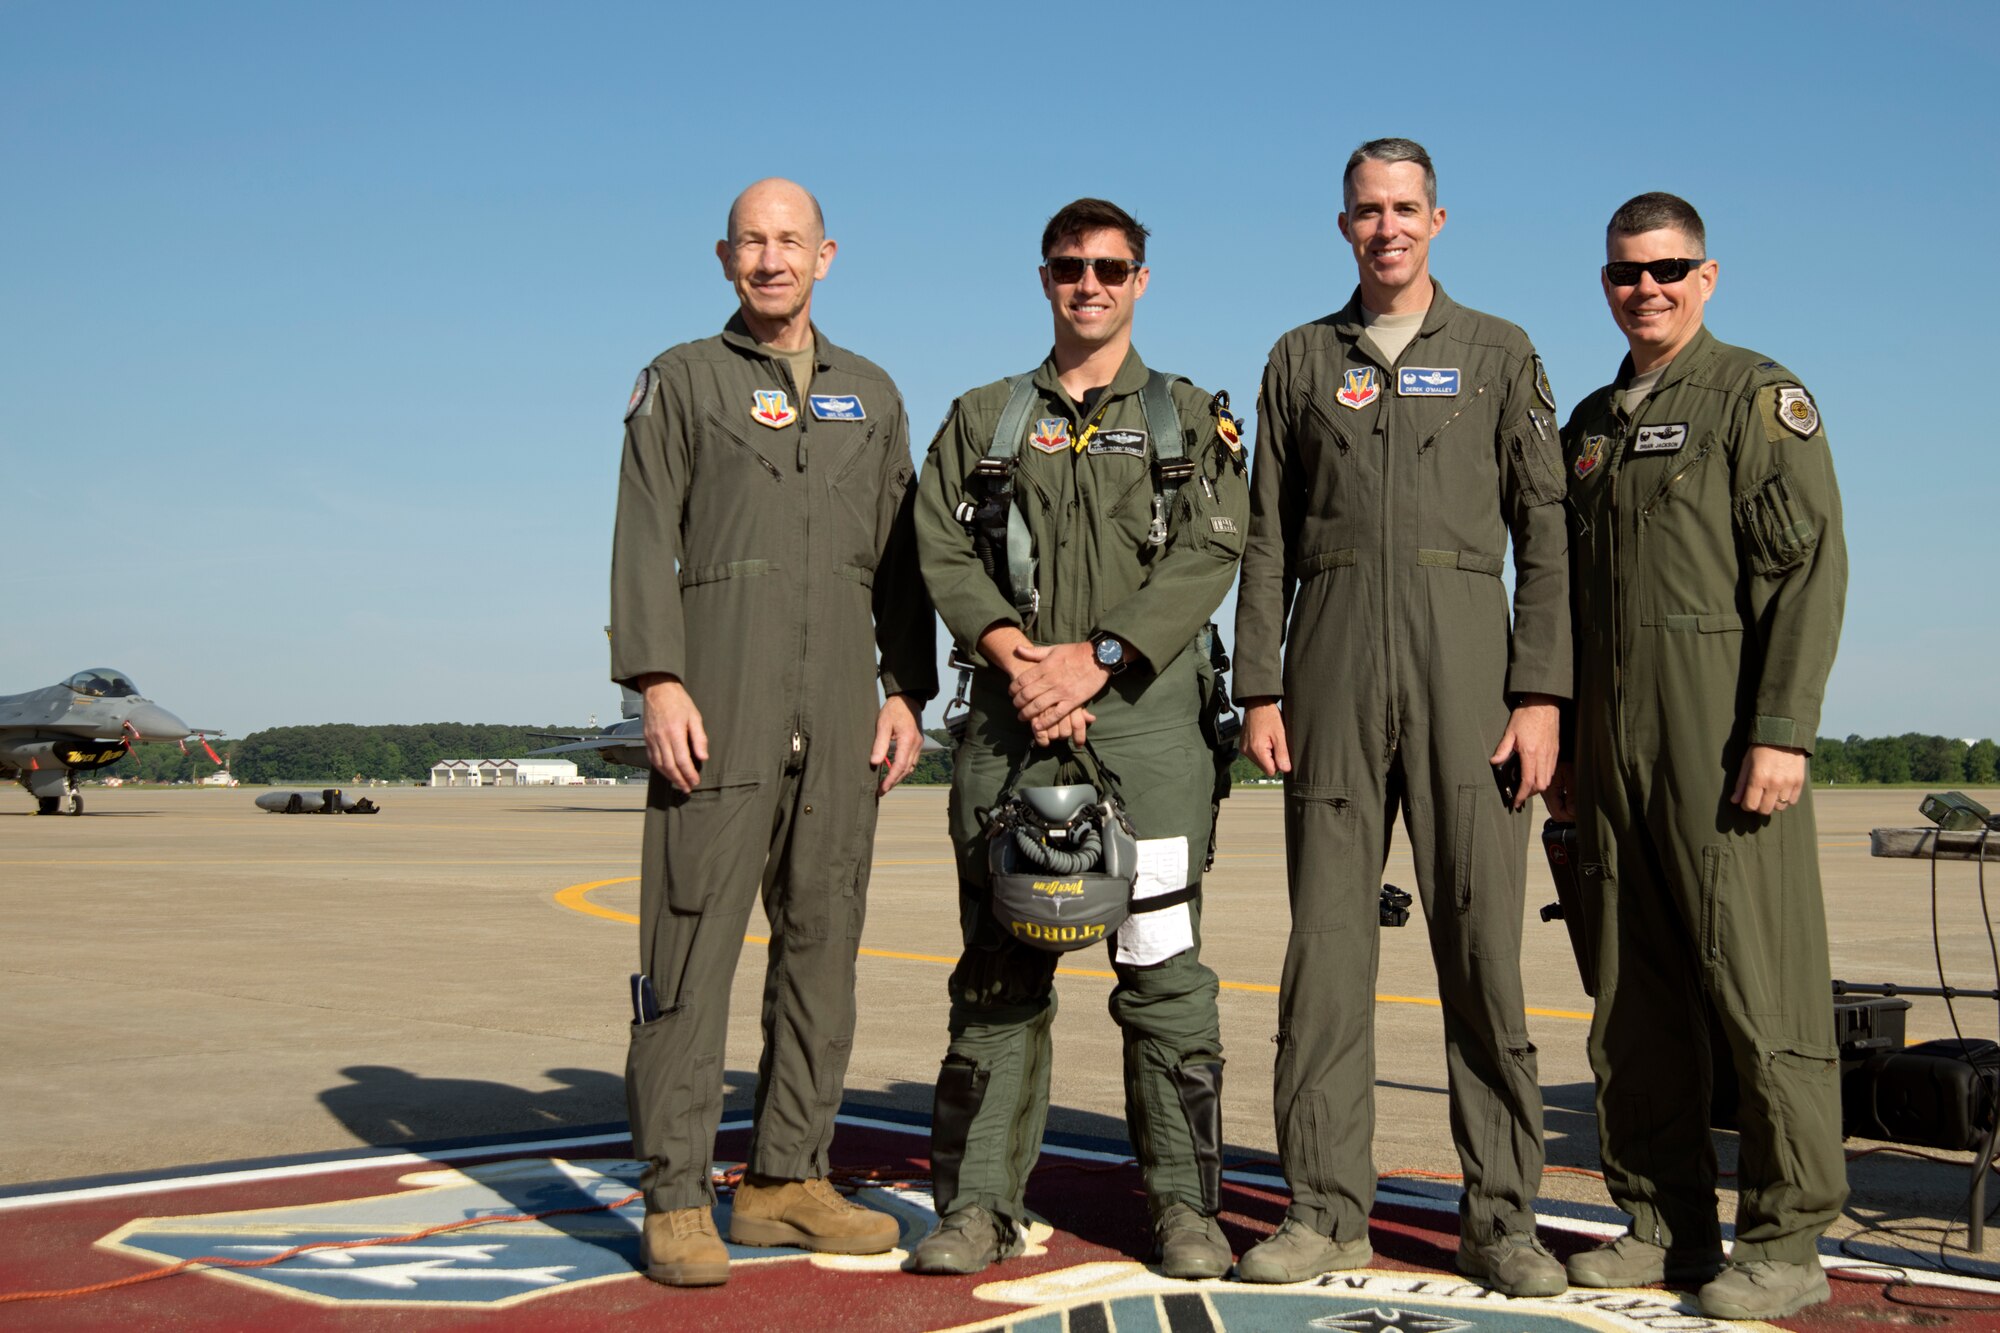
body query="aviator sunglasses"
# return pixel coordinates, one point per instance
(1066, 269)
(1625, 272)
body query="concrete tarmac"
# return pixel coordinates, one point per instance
(188, 979)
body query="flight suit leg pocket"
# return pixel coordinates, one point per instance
(1320, 835)
(1742, 945)
(711, 835)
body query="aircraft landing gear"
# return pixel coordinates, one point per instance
(48, 805)
(73, 802)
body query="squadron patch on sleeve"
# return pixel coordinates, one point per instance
(1542, 389)
(641, 402)
(1227, 426)
(1797, 412)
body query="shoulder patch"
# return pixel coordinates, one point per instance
(1227, 426)
(1542, 389)
(641, 402)
(1797, 412)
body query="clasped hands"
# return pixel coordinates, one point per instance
(1048, 684)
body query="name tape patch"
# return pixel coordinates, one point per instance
(1427, 382)
(1661, 439)
(1130, 442)
(836, 407)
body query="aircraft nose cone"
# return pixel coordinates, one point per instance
(155, 723)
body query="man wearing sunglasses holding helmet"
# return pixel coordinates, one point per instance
(1402, 443)
(1077, 526)
(1709, 576)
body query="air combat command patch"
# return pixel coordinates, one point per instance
(773, 409)
(1590, 455)
(1358, 388)
(1051, 435)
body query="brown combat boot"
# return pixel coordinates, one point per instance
(808, 1214)
(682, 1249)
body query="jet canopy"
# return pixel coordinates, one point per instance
(103, 683)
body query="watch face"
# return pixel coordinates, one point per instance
(1110, 652)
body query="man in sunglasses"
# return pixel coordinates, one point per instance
(1130, 484)
(1710, 573)
(1402, 441)
(765, 489)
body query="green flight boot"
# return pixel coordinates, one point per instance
(966, 1241)
(1297, 1252)
(1763, 1289)
(1191, 1244)
(1513, 1265)
(1631, 1262)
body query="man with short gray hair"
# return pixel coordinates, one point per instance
(1403, 443)
(764, 562)
(1710, 572)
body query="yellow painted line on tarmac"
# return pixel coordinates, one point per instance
(577, 899)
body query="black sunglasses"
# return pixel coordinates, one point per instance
(1066, 269)
(1625, 272)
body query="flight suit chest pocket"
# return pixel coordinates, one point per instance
(1325, 439)
(724, 453)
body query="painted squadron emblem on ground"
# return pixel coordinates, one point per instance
(773, 409)
(1797, 412)
(1590, 455)
(1051, 435)
(490, 1266)
(1130, 1295)
(1358, 388)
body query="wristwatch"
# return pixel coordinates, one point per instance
(1109, 650)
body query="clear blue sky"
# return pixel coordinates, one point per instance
(317, 322)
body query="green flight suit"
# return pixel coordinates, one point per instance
(1710, 572)
(764, 554)
(1382, 502)
(1089, 513)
